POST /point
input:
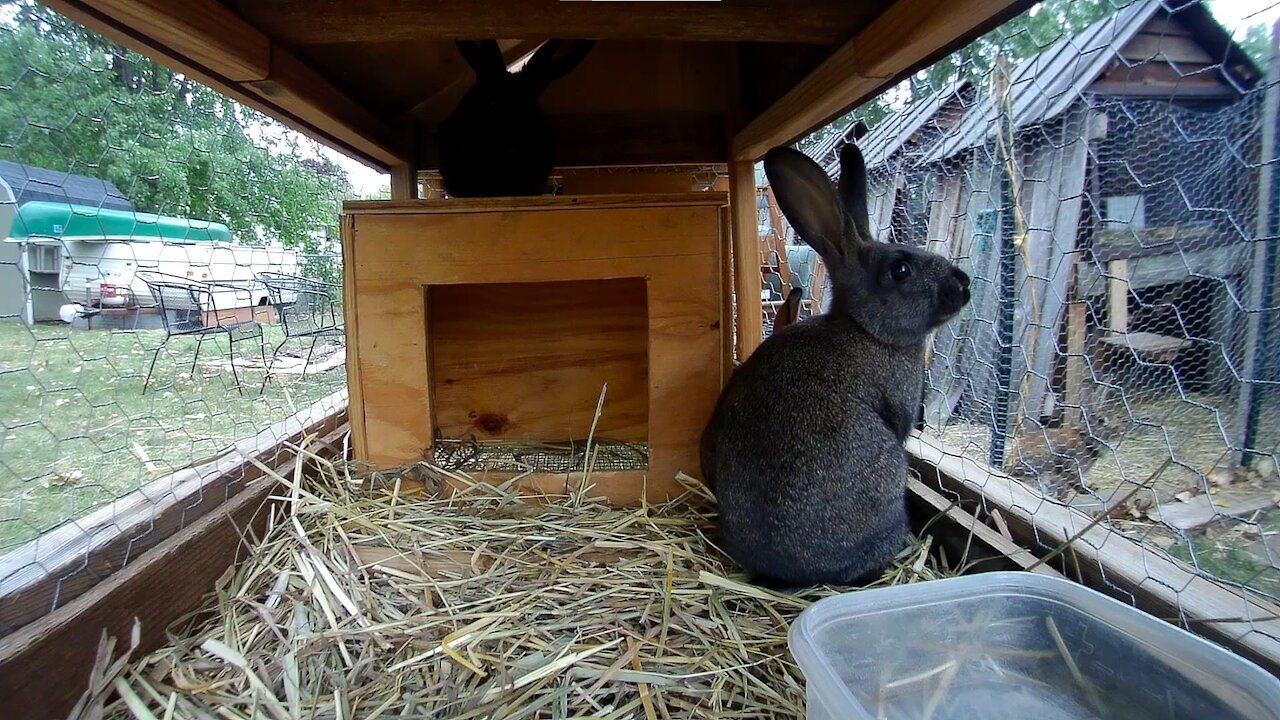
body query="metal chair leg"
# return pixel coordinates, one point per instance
(310, 352)
(231, 354)
(266, 369)
(196, 358)
(269, 369)
(152, 368)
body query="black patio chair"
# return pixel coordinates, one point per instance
(190, 307)
(305, 308)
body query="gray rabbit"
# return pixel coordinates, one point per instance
(804, 448)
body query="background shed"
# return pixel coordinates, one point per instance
(1126, 141)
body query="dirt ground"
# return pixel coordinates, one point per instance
(1241, 543)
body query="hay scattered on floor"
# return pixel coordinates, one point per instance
(390, 601)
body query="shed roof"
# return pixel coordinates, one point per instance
(33, 183)
(892, 133)
(1044, 86)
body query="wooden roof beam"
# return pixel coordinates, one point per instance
(211, 44)
(907, 36)
(302, 23)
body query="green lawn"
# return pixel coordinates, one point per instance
(75, 420)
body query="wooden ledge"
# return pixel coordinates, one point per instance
(431, 206)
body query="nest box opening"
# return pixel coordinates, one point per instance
(516, 371)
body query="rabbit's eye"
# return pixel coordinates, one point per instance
(900, 271)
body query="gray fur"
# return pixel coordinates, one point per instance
(804, 449)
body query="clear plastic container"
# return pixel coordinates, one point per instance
(994, 646)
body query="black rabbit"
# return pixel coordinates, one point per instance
(804, 449)
(497, 142)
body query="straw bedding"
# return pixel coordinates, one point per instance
(380, 597)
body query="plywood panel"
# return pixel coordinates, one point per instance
(299, 22)
(527, 360)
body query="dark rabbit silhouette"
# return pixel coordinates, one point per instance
(804, 449)
(497, 142)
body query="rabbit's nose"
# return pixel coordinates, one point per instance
(961, 277)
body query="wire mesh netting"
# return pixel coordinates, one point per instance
(170, 290)
(1104, 172)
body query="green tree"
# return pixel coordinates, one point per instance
(72, 100)
(1257, 43)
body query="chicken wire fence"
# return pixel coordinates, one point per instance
(1105, 174)
(170, 290)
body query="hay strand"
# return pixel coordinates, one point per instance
(370, 597)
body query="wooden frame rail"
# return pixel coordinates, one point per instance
(1111, 561)
(45, 666)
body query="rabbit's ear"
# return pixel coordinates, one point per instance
(484, 57)
(853, 189)
(808, 201)
(789, 310)
(554, 60)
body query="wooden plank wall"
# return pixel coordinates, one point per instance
(963, 348)
(1052, 184)
(1051, 187)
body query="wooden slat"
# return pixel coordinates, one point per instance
(966, 522)
(404, 182)
(60, 565)
(351, 328)
(907, 36)
(1118, 296)
(204, 31)
(1147, 46)
(746, 256)
(1077, 331)
(727, 323)
(299, 22)
(604, 181)
(288, 91)
(1189, 88)
(530, 204)
(1112, 561)
(44, 668)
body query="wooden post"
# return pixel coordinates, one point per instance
(746, 255)
(1260, 277)
(404, 182)
(1006, 280)
(1072, 415)
(1118, 296)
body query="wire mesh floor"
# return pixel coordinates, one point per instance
(560, 457)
